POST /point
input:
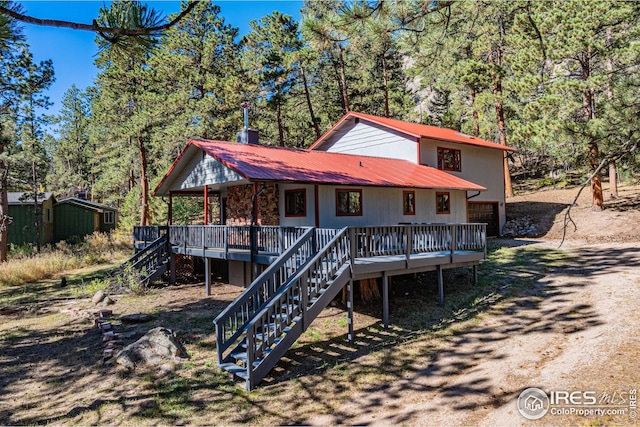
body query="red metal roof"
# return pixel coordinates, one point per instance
(268, 163)
(416, 130)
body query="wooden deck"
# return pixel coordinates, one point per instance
(261, 245)
(393, 265)
(307, 268)
(399, 249)
(375, 252)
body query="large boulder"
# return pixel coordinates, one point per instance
(159, 346)
(98, 297)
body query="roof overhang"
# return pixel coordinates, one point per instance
(220, 164)
(87, 204)
(194, 169)
(413, 131)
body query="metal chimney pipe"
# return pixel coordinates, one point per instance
(245, 114)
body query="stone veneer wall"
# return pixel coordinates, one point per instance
(239, 205)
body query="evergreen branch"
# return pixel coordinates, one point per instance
(94, 25)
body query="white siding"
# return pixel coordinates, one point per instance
(305, 221)
(383, 206)
(368, 139)
(483, 166)
(201, 170)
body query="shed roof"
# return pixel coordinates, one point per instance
(26, 198)
(415, 130)
(98, 207)
(268, 163)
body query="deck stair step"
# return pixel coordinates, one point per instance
(235, 369)
(151, 262)
(278, 323)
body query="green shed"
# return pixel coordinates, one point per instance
(22, 228)
(78, 218)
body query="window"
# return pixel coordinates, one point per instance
(109, 217)
(295, 202)
(443, 205)
(348, 202)
(449, 159)
(409, 202)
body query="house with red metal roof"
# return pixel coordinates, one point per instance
(373, 198)
(365, 170)
(459, 155)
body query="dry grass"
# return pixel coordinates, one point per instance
(98, 248)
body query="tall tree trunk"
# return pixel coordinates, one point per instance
(589, 105)
(36, 217)
(144, 183)
(613, 183)
(280, 124)
(386, 85)
(495, 59)
(343, 79)
(316, 125)
(132, 177)
(613, 175)
(4, 204)
(474, 113)
(596, 183)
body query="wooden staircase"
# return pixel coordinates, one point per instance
(150, 262)
(256, 330)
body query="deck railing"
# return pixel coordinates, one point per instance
(272, 240)
(406, 240)
(144, 236)
(366, 241)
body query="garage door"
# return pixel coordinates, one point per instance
(486, 212)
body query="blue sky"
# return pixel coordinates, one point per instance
(73, 51)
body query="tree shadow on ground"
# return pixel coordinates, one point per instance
(623, 204)
(524, 292)
(423, 349)
(57, 364)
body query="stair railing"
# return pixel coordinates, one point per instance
(147, 261)
(292, 304)
(231, 322)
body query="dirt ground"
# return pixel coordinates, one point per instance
(578, 330)
(548, 208)
(573, 328)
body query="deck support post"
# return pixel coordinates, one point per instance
(440, 286)
(206, 205)
(475, 274)
(207, 275)
(350, 335)
(385, 300)
(172, 268)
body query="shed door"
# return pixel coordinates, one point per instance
(486, 212)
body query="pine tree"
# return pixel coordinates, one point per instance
(582, 42)
(123, 83)
(24, 160)
(197, 85)
(71, 152)
(269, 53)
